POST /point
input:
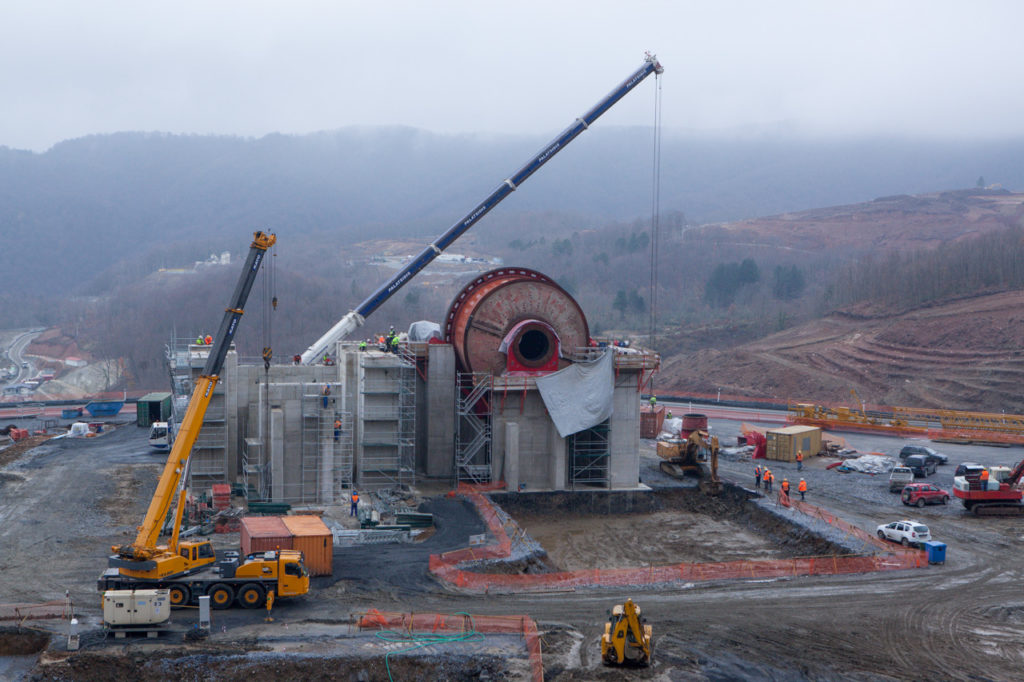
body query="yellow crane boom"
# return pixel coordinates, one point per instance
(138, 554)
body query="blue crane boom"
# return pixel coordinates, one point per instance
(355, 318)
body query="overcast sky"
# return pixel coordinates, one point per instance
(73, 68)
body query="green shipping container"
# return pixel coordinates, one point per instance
(153, 407)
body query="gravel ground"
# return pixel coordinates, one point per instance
(63, 504)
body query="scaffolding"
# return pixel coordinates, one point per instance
(589, 458)
(208, 461)
(473, 428)
(387, 413)
(256, 471)
(179, 369)
(326, 465)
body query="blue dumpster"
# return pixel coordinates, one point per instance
(936, 552)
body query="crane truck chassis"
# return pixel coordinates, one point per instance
(189, 569)
(226, 582)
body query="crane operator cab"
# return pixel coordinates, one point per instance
(161, 436)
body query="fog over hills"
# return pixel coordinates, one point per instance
(87, 204)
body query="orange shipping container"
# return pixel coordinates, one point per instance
(263, 533)
(314, 540)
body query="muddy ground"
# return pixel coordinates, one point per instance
(64, 503)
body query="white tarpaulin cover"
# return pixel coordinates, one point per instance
(870, 464)
(424, 330)
(79, 430)
(579, 396)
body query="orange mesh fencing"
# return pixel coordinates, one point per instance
(459, 623)
(445, 566)
(51, 609)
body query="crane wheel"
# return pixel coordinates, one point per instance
(251, 595)
(221, 596)
(178, 595)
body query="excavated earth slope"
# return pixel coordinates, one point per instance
(962, 355)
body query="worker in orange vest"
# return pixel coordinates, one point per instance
(984, 479)
(757, 476)
(785, 486)
(799, 460)
(768, 478)
(355, 504)
(209, 340)
(801, 488)
(337, 428)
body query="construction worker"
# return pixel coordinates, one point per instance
(337, 428)
(355, 504)
(668, 415)
(199, 340)
(799, 460)
(380, 342)
(785, 487)
(767, 478)
(801, 488)
(362, 345)
(394, 343)
(209, 340)
(654, 401)
(983, 479)
(757, 476)
(326, 394)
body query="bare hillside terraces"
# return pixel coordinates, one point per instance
(962, 355)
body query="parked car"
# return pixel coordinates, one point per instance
(920, 465)
(969, 469)
(921, 494)
(900, 477)
(905, 532)
(936, 457)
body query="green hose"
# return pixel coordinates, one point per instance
(420, 641)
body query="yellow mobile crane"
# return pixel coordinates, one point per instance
(189, 569)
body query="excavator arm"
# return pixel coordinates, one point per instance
(145, 546)
(626, 639)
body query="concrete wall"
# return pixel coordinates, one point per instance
(538, 457)
(438, 416)
(624, 433)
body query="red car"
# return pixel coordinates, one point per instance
(922, 494)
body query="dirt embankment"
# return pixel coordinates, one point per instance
(962, 355)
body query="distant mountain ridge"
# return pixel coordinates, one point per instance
(88, 203)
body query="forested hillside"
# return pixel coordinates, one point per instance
(88, 204)
(88, 225)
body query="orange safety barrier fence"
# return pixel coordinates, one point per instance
(441, 623)
(445, 566)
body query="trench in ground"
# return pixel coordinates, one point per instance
(634, 529)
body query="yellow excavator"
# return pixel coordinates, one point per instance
(697, 454)
(189, 569)
(626, 639)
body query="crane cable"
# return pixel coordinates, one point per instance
(269, 306)
(655, 216)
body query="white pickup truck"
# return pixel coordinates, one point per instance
(899, 477)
